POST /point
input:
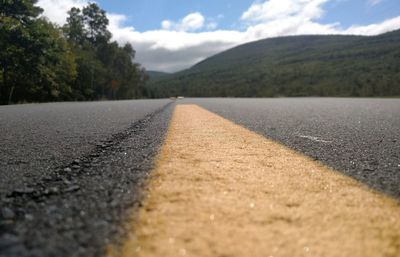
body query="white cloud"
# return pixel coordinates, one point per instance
(191, 22)
(166, 24)
(167, 50)
(374, 29)
(374, 2)
(283, 9)
(56, 10)
(177, 46)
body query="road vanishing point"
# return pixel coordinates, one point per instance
(201, 177)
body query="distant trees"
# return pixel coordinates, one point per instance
(42, 62)
(105, 70)
(344, 66)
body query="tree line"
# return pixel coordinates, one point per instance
(340, 66)
(40, 61)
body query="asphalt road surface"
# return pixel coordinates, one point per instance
(360, 137)
(37, 138)
(70, 171)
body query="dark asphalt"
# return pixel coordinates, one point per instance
(70, 173)
(359, 137)
(37, 138)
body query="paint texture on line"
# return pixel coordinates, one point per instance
(220, 190)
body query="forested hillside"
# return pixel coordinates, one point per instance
(294, 66)
(40, 61)
(154, 75)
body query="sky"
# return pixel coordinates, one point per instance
(172, 35)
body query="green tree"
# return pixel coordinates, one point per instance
(35, 61)
(96, 21)
(56, 71)
(16, 20)
(22, 11)
(74, 28)
(41, 62)
(105, 70)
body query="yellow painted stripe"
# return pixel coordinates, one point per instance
(221, 190)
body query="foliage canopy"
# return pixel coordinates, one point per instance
(40, 61)
(294, 66)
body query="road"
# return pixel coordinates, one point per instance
(222, 190)
(70, 171)
(36, 139)
(360, 137)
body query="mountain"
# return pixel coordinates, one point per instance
(333, 65)
(154, 75)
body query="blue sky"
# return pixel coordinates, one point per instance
(171, 35)
(148, 14)
(361, 12)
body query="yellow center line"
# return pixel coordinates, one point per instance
(221, 190)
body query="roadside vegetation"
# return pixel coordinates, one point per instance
(40, 61)
(294, 66)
